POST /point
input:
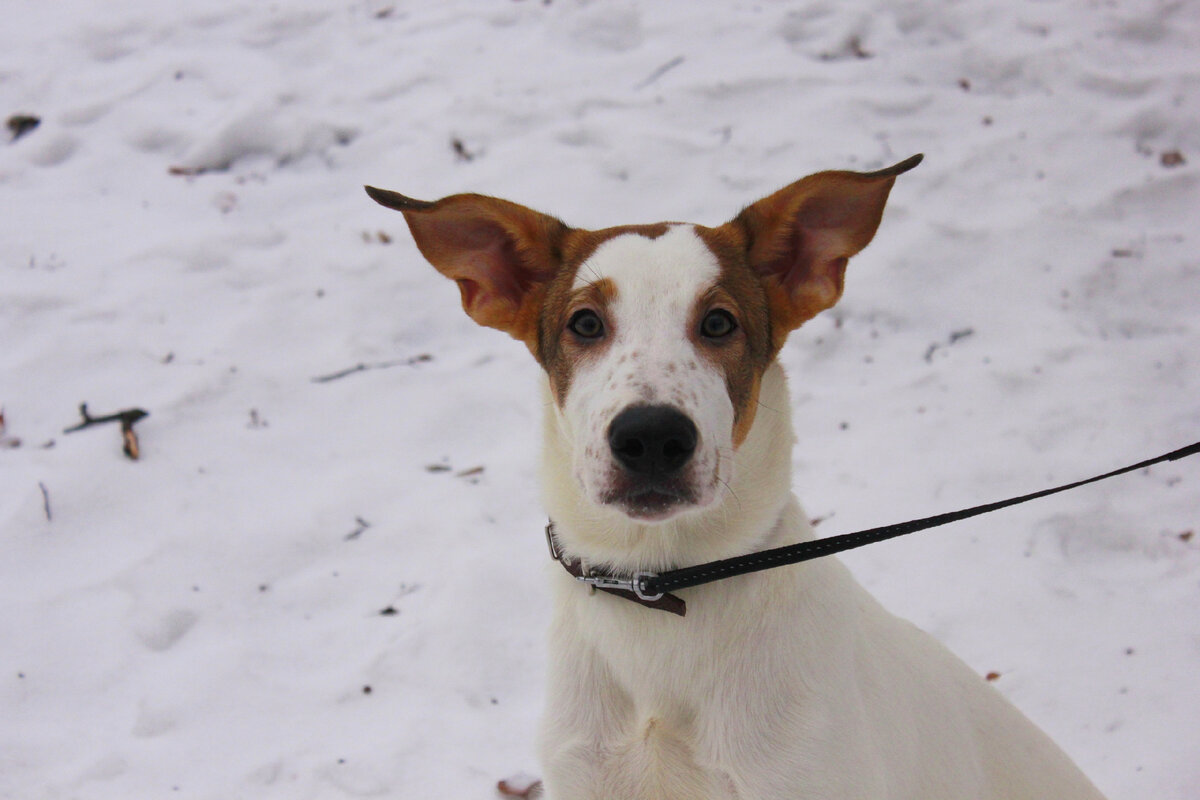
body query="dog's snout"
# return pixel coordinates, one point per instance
(652, 440)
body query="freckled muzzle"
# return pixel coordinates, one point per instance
(653, 445)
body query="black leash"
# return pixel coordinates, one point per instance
(649, 587)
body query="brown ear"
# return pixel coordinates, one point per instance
(799, 239)
(501, 254)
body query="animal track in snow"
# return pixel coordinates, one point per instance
(55, 151)
(166, 632)
(612, 28)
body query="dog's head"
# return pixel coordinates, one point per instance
(654, 338)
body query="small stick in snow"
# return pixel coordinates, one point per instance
(45, 501)
(363, 367)
(357, 532)
(658, 73)
(127, 418)
(955, 336)
(187, 172)
(7, 441)
(460, 150)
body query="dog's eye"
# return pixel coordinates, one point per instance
(717, 324)
(586, 324)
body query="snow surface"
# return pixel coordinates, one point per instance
(207, 622)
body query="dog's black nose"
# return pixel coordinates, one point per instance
(652, 440)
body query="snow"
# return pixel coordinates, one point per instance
(185, 232)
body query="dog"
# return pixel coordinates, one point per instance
(667, 444)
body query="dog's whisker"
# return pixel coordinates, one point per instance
(761, 404)
(732, 494)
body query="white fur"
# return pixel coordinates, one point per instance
(649, 359)
(782, 685)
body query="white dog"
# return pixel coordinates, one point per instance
(668, 444)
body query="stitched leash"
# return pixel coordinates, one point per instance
(647, 587)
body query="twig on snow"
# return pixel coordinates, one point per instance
(955, 336)
(127, 418)
(460, 150)
(7, 441)
(363, 367)
(45, 501)
(357, 532)
(658, 73)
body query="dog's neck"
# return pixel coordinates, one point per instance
(743, 521)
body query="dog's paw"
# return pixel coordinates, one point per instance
(520, 785)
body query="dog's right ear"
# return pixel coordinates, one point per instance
(501, 254)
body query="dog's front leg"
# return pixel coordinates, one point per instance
(585, 716)
(601, 740)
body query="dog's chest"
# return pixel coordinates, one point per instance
(668, 732)
(658, 760)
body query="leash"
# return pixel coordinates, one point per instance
(653, 589)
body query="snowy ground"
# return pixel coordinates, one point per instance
(207, 622)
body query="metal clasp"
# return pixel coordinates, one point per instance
(639, 582)
(634, 585)
(606, 582)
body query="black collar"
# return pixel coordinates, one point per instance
(650, 589)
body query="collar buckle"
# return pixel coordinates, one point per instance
(635, 585)
(555, 553)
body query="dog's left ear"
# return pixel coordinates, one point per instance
(799, 239)
(501, 254)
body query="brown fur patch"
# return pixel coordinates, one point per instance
(745, 357)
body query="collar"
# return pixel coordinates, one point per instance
(631, 588)
(646, 588)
